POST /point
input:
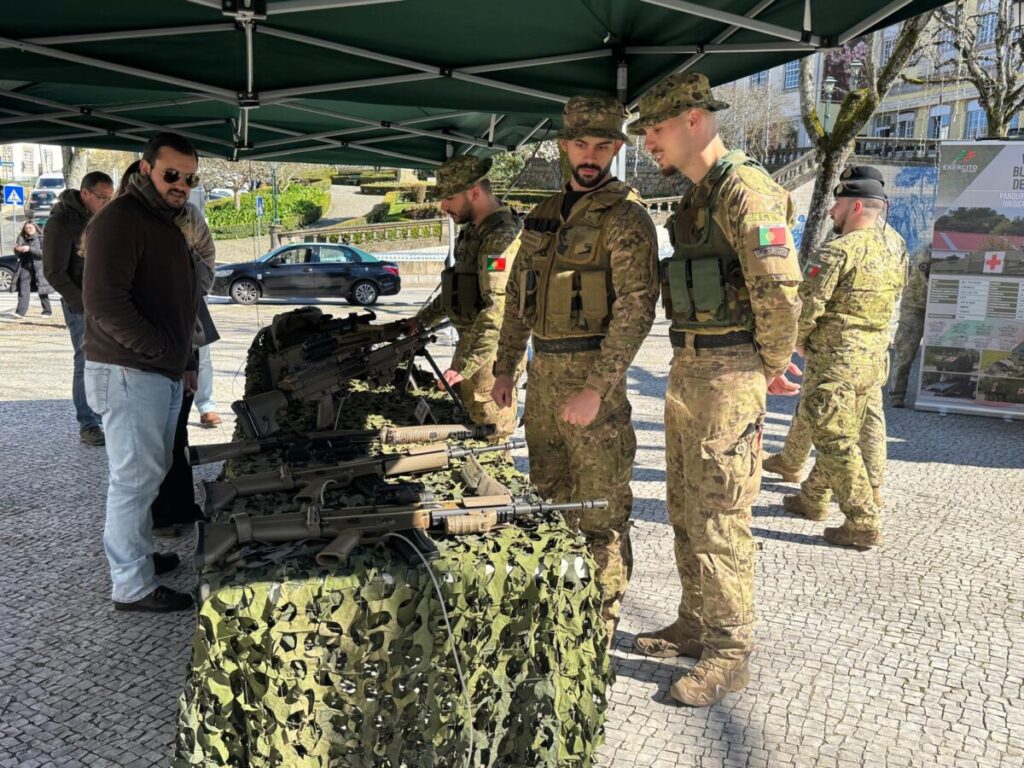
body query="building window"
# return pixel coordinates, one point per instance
(976, 123)
(947, 51)
(883, 126)
(889, 42)
(938, 126)
(1013, 126)
(792, 79)
(905, 125)
(986, 22)
(759, 79)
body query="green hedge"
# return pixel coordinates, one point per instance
(383, 187)
(298, 205)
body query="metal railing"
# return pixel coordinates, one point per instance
(392, 231)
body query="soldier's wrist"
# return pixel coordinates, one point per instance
(598, 385)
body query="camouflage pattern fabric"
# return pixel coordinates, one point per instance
(714, 412)
(597, 116)
(568, 462)
(457, 174)
(673, 96)
(294, 664)
(489, 249)
(911, 326)
(849, 295)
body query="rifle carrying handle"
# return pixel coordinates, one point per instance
(477, 521)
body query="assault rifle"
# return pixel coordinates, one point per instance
(331, 445)
(305, 323)
(345, 529)
(320, 380)
(312, 481)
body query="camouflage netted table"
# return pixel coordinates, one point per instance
(295, 664)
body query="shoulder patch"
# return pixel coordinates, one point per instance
(496, 263)
(771, 234)
(779, 251)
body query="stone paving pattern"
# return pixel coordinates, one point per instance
(905, 656)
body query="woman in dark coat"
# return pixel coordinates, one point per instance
(29, 274)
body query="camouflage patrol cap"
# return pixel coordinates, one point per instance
(457, 174)
(673, 96)
(599, 116)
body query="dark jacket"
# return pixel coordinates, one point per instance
(32, 261)
(141, 289)
(62, 263)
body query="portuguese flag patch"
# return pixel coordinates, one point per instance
(496, 263)
(771, 235)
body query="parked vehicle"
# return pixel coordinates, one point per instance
(219, 193)
(8, 264)
(306, 270)
(44, 194)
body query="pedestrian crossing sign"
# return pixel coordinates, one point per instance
(14, 194)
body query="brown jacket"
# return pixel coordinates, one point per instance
(62, 263)
(140, 289)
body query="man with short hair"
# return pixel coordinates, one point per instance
(584, 285)
(141, 292)
(473, 289)
(63, 266)
(849, 293)
(731, 293)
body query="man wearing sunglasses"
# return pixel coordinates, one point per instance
(64, 266)
(141, 294)
(849, 292)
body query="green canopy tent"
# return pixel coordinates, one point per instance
(381, 82)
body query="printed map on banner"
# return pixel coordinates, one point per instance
(973, 359)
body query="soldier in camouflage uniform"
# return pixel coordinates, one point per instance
(730, 290)
(473, 290)
(584, 284)
(911, 327)
(789, 463)
(849, 295)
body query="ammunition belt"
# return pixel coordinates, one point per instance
(711, 341)
(574, 344)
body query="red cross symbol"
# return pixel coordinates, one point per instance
(994, 262)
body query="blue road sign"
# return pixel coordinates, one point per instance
(14, 194)
(259, 206)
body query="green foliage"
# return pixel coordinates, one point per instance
(298, 205)
(383, 187)
(979, 220)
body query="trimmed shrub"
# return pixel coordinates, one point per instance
(298, 205)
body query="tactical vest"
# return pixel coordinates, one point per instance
(703, 288)
(460, 283)
(565, 288)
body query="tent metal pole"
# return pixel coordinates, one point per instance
(283, 94)
(301, 6)
(533, 130)
(132, 34)
(24, 117)
(385, 152)
(157, 104)
(465, 150)
(602, 53)
(871, 20)
(668, 50)
(502, 86)
(733, 19)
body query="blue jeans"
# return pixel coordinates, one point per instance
(204, 388)
(76, 327)
(140, 413)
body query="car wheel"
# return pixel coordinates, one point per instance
(364, 294)
(244, 291)
(6, 276)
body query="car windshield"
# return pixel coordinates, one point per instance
(50, 184)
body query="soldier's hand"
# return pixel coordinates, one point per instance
(800, 351)
(581, 409)
(452, 376)
(501, 392)
(780, 385)
(190, 382)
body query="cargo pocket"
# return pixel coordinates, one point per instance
(448, 287)
(731, 458)
(467, 290)
(527, 296)
(593, 286)
(561, 290)
(708, 289)
(678, 291)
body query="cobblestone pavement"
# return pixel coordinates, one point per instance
(905, 656)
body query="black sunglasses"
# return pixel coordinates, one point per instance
(171, 176)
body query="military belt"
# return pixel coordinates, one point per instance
(575, 344)
(710, 340)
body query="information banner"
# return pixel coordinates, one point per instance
(973, 359)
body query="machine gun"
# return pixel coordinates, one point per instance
(345, 529)
(312, 481)
(332, 445)
(319, 381)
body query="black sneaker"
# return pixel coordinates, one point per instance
(165, 562)
(92, 436)
(160, 600)
(169, 531)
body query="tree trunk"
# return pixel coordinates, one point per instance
(238, 198)
(830, 164)
(75, 161)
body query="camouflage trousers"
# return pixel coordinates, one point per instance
(905, 346)
(569, 463)
(476, 394)
(872, 443)
(835, 404)
(714, 414)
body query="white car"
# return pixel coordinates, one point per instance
(44, 194)
(219, 193)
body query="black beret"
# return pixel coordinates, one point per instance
(861, 181)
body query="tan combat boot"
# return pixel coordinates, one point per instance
(708, 683)
(796, 504)
(674, 640)
(773, 466)
(849, 537)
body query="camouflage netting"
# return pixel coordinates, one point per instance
(295, 664)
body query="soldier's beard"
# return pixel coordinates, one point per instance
(838, 224)
(462, 214)
(668, 170)
(598, 177)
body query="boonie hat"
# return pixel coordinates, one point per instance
(673, 96)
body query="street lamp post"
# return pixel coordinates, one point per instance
(828, 86)
(275, 224)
